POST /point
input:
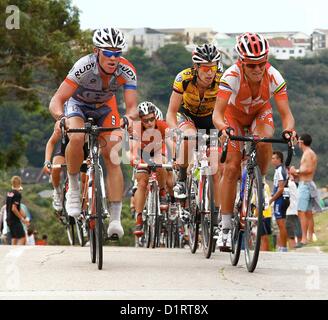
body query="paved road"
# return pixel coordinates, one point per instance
(53, 272)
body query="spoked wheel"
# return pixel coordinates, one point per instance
(207, 215)
(237, 236)
(80, 232)
(70, 226)
(193, 224)
(93, 247)
(154, 211)
(99, 219)
(253, 221)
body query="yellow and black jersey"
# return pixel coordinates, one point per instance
(184, 84)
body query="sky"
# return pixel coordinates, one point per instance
(221, 16)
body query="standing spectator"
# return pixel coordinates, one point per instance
(16, 216)
(30, 237)
(280, 197)
(293, 226)
(267, 214)
(308, 201)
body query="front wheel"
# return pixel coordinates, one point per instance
(207, 215)
(253, 220)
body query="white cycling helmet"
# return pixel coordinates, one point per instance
(206, 53)
(145, 108)
(158, 114)
(109, 37)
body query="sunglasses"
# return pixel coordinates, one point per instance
(110, 53)
(207, 68)
(253, 65)
(148, 120)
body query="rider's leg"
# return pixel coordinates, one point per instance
(74, 159)
(55, 179)
(140, 199)
(185, 157)
(263, 127)
(114, 180)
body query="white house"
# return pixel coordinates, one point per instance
(284, 49)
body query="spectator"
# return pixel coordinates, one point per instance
(308, 201)
(267, 214)
(41, 242)
(30, 237)
(280, 197)
(293, 226)
(16, 216)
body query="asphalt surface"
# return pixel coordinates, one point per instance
(53, 272)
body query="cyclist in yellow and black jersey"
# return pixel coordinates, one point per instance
(192, 103)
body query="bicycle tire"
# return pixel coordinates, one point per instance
(93, 247)
(237, 236)
(80, 234)
(207, 219)
(253, 215)
(69, 226)
(99, 218)
(91, 218)
(193, 224)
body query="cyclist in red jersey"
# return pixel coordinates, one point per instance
(148, 141)
(243, 101)
(89, 91)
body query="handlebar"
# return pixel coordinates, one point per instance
(257, 139)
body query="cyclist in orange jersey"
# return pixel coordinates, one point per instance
(243, 101)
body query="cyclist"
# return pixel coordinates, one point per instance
(147, 145)
(59, 158)
(191, 106)
(89, 91)
(56, 143)
(243, 101)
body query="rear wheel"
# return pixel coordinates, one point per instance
(254, 214)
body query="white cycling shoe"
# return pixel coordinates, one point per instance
(73, 203)
(57, 201)
(115, 228)
(225, 240)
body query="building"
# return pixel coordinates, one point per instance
(319, 39)
(284, 49)
(146, 38)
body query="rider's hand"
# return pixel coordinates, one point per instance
(47, 167)
(290, 134)
(227, 131)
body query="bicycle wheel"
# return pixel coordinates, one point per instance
(155, 212)
(237, 233)
(207, 208)
(91, 220)
(80, 232)
(253, 219)
(193, 223)
(69, 221)
(99, 218)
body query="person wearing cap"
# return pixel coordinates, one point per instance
(15, 215)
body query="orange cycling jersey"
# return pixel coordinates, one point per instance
(234, 86)
(149, 140)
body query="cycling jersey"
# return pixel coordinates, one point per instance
(184, 84)
(85, 77)
(234, 86)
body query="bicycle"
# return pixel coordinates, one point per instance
(200, 196)
(248, 212)
(152, 217)
(97, 210)
(69, 222)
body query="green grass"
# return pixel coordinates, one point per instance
(321, 230)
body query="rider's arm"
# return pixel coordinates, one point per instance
(218, 113)
(287, 119)
(130, 98)
(64, 92)
(174, 105)
(52, 142)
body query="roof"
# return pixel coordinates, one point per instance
(141, 31)
(281, 43)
